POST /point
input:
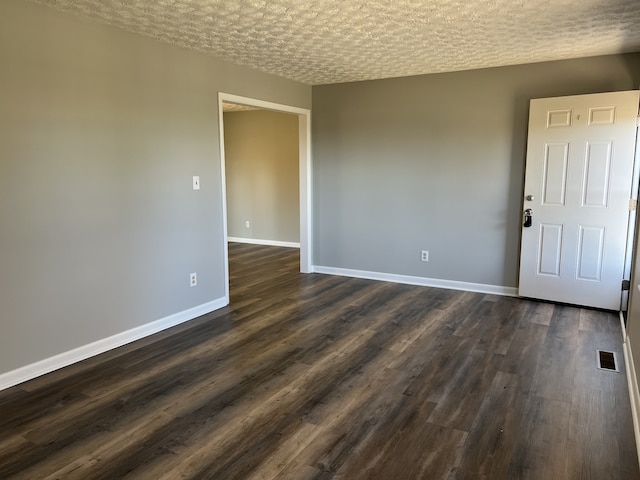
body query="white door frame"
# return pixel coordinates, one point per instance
(304, 136)
(630, 253)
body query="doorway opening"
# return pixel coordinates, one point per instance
(304, 172)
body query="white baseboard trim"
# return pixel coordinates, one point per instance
(422, 281)
(270, 243)
(634, 394)
(624, 329)
(65, 359)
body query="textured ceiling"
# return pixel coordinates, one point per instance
(331, 41)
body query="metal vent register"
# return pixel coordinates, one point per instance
(607, 360)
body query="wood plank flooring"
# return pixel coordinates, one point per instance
(326, 377)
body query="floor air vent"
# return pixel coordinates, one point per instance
(607, 361)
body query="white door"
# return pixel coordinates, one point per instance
(579, 171)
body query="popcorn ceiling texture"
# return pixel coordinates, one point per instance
(332, 41)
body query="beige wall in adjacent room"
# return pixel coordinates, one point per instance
(101, 132)
(261, 166)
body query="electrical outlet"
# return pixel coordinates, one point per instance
(193, 279)
(424, 256)
(247, 224)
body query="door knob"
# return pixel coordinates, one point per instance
(528, 217)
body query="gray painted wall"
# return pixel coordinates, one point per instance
(436, 162)
(261, 167)
(633, 313)
(100, 133)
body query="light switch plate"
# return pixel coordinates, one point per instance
(196, 182)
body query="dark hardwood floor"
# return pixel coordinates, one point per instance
(320, 377)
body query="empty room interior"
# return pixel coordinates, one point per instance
(319, 240)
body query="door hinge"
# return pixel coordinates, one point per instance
(626, 285)
(633, 204)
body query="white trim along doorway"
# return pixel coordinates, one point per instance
(304, 135)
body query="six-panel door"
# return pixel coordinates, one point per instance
(579, 171)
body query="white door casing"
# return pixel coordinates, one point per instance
(579, 171)
(304, 149)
